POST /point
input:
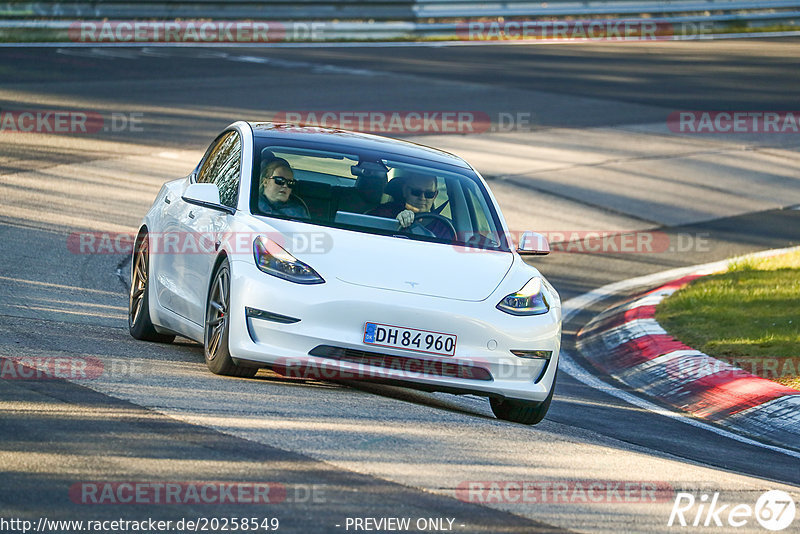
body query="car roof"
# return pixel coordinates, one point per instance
(346, 139)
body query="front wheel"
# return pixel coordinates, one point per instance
(523, 412)
(218, 358)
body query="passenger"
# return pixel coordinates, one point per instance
(275, 191)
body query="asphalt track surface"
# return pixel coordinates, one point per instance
(377, 451)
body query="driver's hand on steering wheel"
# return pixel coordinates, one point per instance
(405, 218)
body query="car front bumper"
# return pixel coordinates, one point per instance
(332, 318)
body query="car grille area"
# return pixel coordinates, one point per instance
(403, 364)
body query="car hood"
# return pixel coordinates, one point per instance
(399, 264)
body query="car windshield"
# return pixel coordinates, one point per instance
(374, 193)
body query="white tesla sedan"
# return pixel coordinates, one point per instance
(342, 255)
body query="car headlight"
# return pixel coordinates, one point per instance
(273, 259)
(530, 300)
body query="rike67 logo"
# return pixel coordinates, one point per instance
(774, 510)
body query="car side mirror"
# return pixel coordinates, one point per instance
(533, 244)
(207, 196)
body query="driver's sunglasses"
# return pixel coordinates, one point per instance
(280, 181)
(421, 192)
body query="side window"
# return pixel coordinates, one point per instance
(222, 167)
(442, 199)
(478, 210)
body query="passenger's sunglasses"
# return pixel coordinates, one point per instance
(280, 181)
(421, 192)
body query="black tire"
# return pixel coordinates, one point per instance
(215, 336)
(139, 323)
(523, 412)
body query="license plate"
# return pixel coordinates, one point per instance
(398, 337)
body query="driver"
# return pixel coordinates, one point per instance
(418, 192)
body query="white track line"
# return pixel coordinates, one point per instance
(568, 364)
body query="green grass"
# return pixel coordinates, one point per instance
(751, 313)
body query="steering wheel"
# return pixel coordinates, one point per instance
(436, 216)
